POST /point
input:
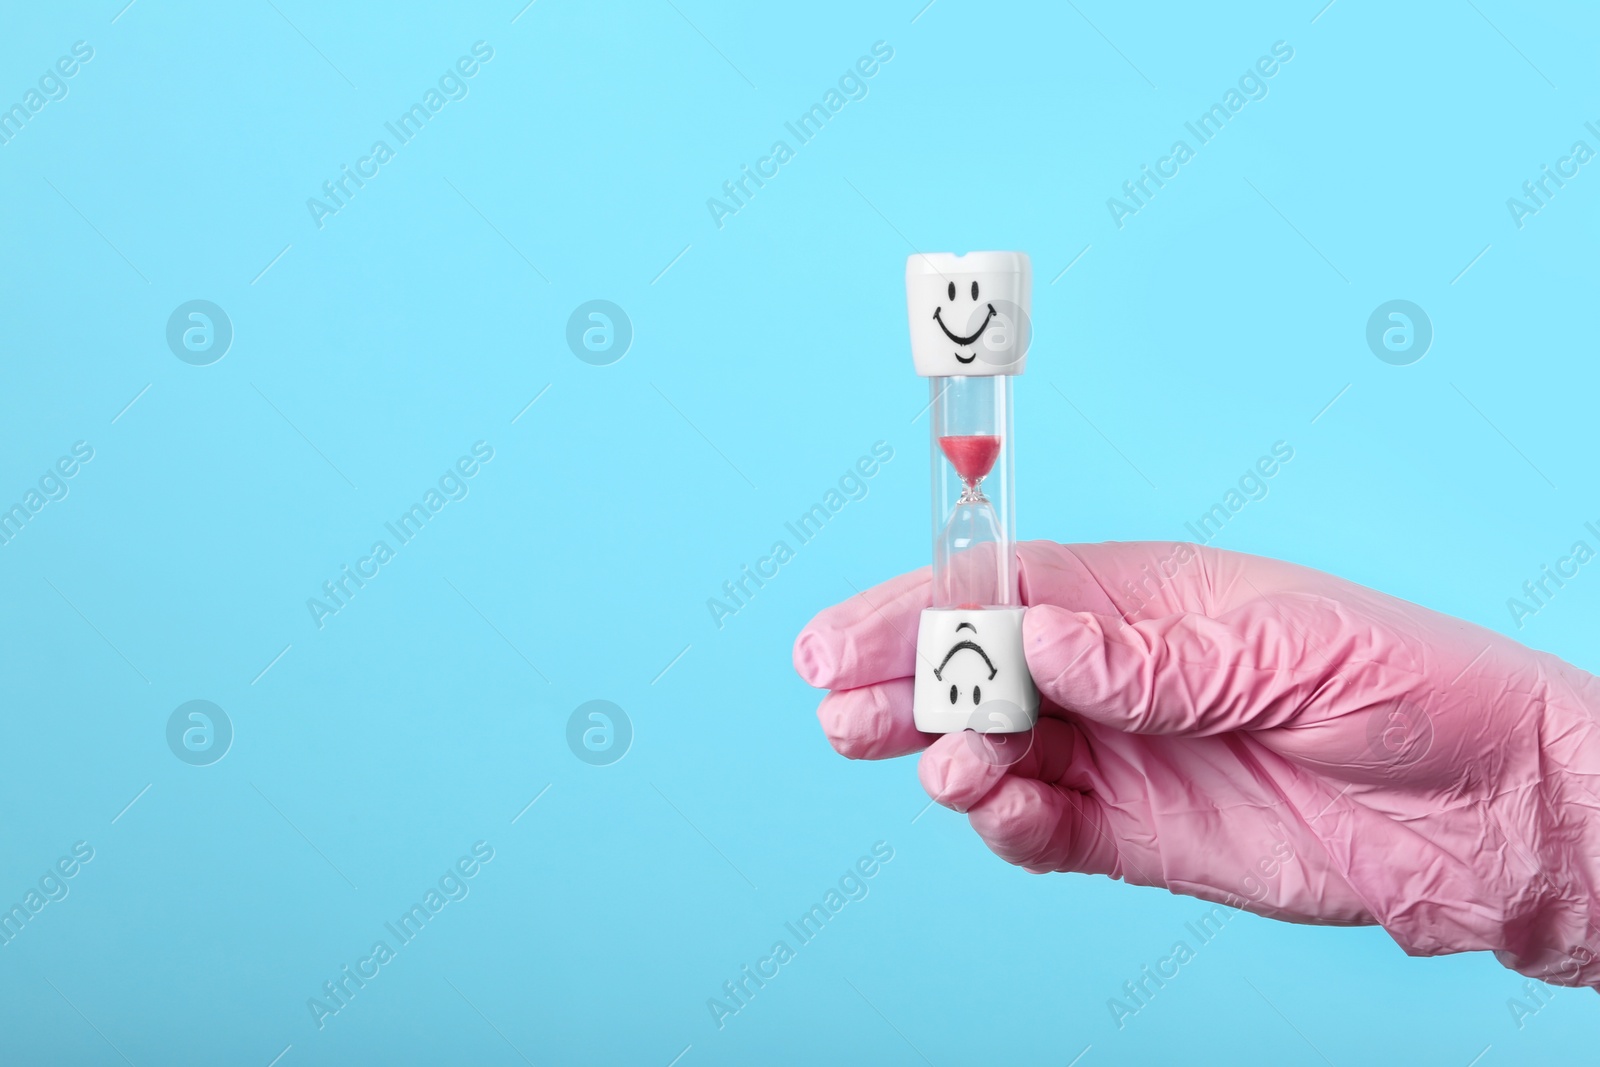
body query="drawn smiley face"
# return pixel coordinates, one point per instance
(966, 666)
(971, 339)
(968, 314)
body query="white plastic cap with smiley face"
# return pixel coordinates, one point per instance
(969, 314)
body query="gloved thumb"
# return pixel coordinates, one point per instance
(1179, 674)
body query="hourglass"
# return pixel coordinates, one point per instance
(969, 338)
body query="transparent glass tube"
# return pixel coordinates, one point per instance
(974, 562)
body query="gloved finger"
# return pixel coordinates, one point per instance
(872, 722)
(1134, 579)
(871, 637)
(1180, 674)
(1043, 827)
(958, 770)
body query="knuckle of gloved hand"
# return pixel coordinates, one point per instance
(1012, 826)
(835, 719)
(956, 776)
(814, 654)
(854, 721)
(933, 771)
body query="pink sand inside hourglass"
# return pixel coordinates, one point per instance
(972, 455)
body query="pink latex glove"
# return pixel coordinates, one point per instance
(1259, 734)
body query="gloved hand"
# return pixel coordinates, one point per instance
(1256, 733)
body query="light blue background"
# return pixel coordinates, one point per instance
(768, 355)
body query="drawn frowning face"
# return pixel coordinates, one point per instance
(972, 674)
(966, 666)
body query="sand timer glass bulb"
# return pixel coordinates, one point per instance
(968, 575)
(969, 338)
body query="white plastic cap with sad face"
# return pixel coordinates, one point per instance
(969, 314)
(972, 673)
